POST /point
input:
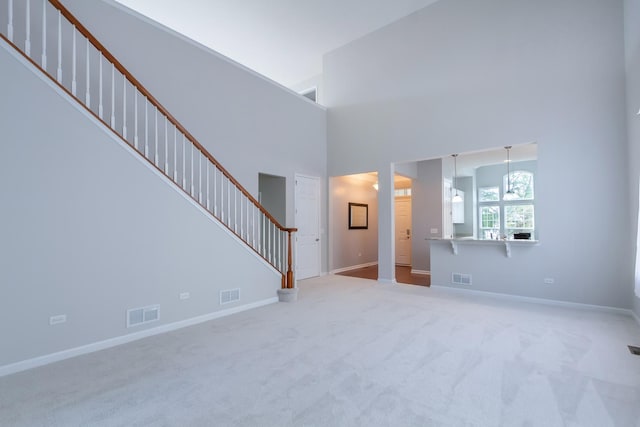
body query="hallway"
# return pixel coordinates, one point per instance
(403, 275)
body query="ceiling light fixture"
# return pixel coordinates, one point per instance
(509, 194)
(456, 198)
(376, 185)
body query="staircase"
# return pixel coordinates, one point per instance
(53, 40)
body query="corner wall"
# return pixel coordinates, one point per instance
(632, 57)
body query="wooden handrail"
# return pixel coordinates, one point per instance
(106, 54)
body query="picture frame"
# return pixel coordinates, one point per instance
(358, 216)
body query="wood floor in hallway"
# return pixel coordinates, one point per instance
(403, 275)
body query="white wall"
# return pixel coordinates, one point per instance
(88, 230)
(247, 122)
(463, 75)
(632, 55)
(426, 211)
(352, 247)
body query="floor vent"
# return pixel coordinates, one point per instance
(142, 315)
(634, 350)
(229, 295)
(460, 279)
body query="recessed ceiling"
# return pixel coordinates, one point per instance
(281, 39)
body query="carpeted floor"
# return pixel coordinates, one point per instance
(352, 352)
(403, 275)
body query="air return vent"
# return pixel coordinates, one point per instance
(142, 315)
(460, 279)
(229, 295)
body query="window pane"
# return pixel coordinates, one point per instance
(518, 217)
(521, 185)
(490, 217)
(488, 194)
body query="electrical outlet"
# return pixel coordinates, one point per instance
(549, 280)
(60, 318)
(359, 253)
(434, 231)
(185, 295)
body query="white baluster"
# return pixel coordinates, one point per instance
(193, 188)
(113, 96)
(215, 198)
(27, 42)
(10, 24)
(156, 155)
(100, 105)
(200, 176)
(135, 117)
(253, 225)
(124, 107)
(229, 201)
(87, 96)
(184, 163)
(59, 73)
(175, 154)
(166, 145)
(222, 196)
(74, 63)
(146, 127)
(44, 34)
(208, 198)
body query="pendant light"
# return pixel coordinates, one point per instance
(456, 198)
(509, 194)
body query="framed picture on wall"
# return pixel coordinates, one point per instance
(358, 216)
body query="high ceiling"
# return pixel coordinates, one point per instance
(281, 39)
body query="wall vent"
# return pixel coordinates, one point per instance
(142, 315)
(229, 295)
(461, 279)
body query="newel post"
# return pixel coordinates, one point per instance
(289, 283)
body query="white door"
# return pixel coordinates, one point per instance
(403, 230)
(307, 221)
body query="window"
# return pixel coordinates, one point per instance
(489, 221)
(504, 216)
(488, 194)
(400, 192)
(521, 185)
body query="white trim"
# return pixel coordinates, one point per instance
(534, 300)
(124, 339)
(136, 155)
(207, 49)
(353, 267)
(423, 272)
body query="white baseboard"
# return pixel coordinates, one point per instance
(534, 300)
(112, 342)
(423, 272)
(354, 267)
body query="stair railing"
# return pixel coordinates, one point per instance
(53, 40)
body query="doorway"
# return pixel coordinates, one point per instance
(272, 195)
